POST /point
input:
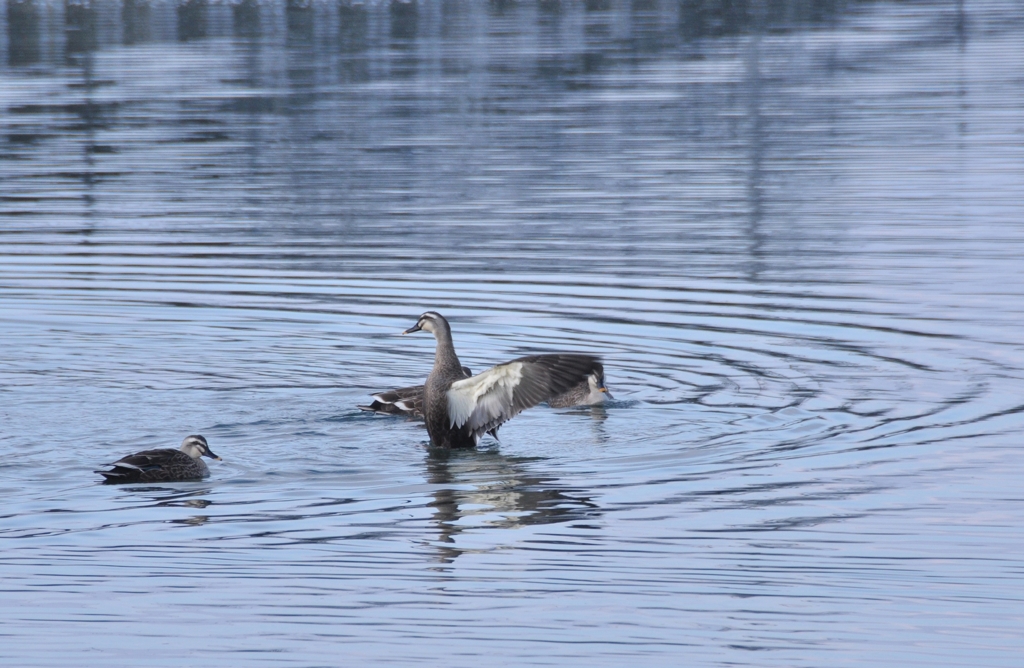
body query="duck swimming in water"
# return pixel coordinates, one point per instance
(460, 410)
(590, 392)
(164, 464)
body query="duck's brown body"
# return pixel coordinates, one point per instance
(447, 369)
(164, 464)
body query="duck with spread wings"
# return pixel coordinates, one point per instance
(460, 410)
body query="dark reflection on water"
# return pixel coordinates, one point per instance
(792, 229)
(500, 488)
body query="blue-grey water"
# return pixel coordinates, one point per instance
(793, 230)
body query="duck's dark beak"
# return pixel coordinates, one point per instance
(605, 390)
(209, 453)
(414, 328)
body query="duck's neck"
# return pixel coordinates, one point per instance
(445, 358)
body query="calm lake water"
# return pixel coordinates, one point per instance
(793, 230)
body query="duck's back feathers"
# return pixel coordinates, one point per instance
(162, 465)
(403, 401)
(483, 402)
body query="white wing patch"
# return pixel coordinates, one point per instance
(485, 396)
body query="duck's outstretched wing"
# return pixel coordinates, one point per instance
(485, 401)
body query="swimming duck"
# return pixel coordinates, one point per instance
(164, 464)
(589, 392)
(459, 410)
(409, 400)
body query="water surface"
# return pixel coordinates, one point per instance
(792, 230)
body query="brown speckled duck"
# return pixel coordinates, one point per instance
(459, 410)
(590, 392)
(163, 465)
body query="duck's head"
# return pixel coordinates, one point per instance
(195, 447)
(432, 322)
(598, 391)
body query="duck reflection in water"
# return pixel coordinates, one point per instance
(174, 497)
(499, 492)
